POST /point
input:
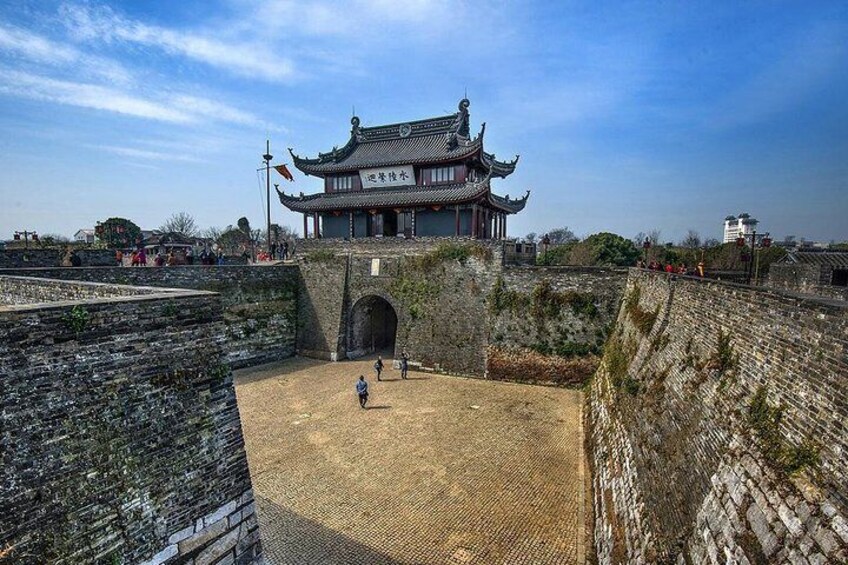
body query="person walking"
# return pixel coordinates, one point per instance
(404, 364)
(378, 366)
(362, 390)
(142, 257)
(119, 257)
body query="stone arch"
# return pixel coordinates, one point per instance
(371, 326)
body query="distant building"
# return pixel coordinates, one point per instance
(812, 271)
(85, 235)
(738, 226)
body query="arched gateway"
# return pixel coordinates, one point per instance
(372, 327)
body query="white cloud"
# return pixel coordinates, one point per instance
(147, 154)
(39, 49)
(86, 96)
(174, 108)
(243, 58)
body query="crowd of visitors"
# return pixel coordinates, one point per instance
(185, 255)
(671, 269)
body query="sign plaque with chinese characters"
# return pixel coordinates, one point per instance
(387, 176)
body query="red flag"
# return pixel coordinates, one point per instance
(283, 170)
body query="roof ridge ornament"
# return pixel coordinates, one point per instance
(461, 126)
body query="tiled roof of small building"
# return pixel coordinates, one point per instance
(836, 259)
(433, 140)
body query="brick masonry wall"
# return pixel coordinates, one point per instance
(681, 472)
(260, 302)
(441, 310)
(807, 279)
(121, 440)
(29, 258)
(320, 331)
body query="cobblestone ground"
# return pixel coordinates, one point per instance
(437, 469)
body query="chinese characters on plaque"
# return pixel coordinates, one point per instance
(387, 176)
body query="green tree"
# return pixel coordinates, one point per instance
(118, 232)
(604, 249)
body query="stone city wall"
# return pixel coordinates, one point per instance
(121, 436)
(551, 320)
(27, 258)
(717, 426)
(260, 302)
(439, 297)
(806, 279)
(438, 293)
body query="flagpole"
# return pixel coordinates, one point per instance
(268, 158)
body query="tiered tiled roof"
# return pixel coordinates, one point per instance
(386, 197)
(434, 140)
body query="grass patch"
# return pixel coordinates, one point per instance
(764, 419)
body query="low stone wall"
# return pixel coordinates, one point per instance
(28, 258)
(16, 291)
(717, 426)
(260, 302)
(121, 436)
(390, 246)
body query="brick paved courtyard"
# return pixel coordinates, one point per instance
(438, 470)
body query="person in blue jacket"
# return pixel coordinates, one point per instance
(362, 390)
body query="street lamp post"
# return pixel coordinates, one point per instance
(749, 259)
(27, 235)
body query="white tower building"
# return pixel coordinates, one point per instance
(738, 226)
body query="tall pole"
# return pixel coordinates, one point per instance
(268, 158)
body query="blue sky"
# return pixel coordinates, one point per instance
(628, 116)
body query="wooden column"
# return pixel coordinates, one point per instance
(412, 216)
(457, 220)
(474, 221)
(315, 225)
(350, 224)
(305, 226)
(504, 226)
